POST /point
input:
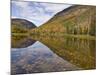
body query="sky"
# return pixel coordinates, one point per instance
(36, 12)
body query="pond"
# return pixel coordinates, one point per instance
(51, 54)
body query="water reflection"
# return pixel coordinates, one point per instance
(50, 54)
(21, 41)
(80, 52)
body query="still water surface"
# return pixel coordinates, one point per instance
(51, 54)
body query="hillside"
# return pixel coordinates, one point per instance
(21, 25)
(77, 20)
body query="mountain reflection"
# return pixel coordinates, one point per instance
(21, 41)
(51, 53)
(78, 51)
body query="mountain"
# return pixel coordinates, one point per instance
(21, 25)
(77, 19)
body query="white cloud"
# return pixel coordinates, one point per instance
(55, 7)
(37, 12)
